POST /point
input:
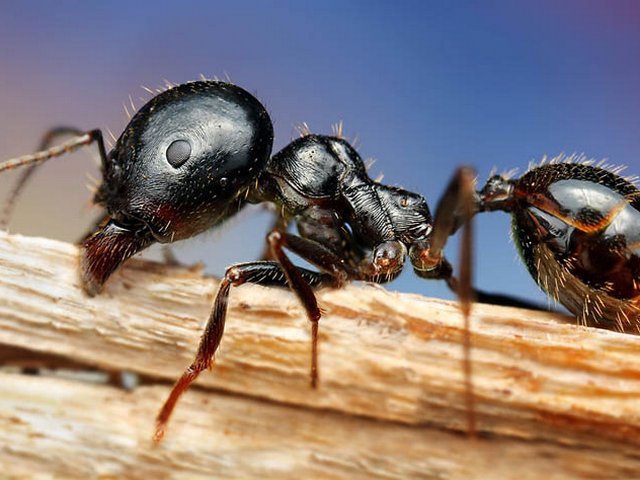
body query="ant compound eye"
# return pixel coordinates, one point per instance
(178, 152)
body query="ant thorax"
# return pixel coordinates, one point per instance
(321, 182)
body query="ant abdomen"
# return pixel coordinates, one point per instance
(183, 164)
(184, 158)
(577, 227)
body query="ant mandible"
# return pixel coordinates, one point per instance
(197, 153)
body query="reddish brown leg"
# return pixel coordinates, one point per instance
(457, 206)
(263, 273)
(204, 357)
(278, 223)
(326, 261)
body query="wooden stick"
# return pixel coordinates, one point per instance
(73, 430)
(383, 355)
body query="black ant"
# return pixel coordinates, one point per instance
(197, 153)
(193, 156)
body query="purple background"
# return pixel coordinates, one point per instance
(424, 85)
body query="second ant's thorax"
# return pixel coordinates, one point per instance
(578, 229)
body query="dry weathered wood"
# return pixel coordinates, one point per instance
(384, 355)
(67, 429)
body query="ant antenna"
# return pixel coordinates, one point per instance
(34, 160)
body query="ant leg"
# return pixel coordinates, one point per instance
(278, 223)
(506, 301)
(318, 255)
(457, 207)
(262, 273)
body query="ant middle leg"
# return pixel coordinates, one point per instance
(278, 222)
(320, 256)
(267, 273)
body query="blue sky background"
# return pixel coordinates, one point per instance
(424, 85)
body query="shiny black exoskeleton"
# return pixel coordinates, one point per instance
(182, 165)
(322, 182)
(577, 227)
(196, 154)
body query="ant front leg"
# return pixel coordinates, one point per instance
(456, 208)
(323, 258)
(267, 273)
(46, 152)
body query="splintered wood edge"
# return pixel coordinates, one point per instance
(384, 355)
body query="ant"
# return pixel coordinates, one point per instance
(197, 153)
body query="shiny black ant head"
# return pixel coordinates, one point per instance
(409, 219)
(186, 159)
(497, 193)
(407, 211)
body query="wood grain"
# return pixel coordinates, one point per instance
(67, 429)
(390, 363)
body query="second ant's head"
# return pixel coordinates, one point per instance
(497, 194)
(186, 158)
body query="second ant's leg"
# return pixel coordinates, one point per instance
(262, 273)
(316, 254)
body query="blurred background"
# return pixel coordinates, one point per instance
(425, 86)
